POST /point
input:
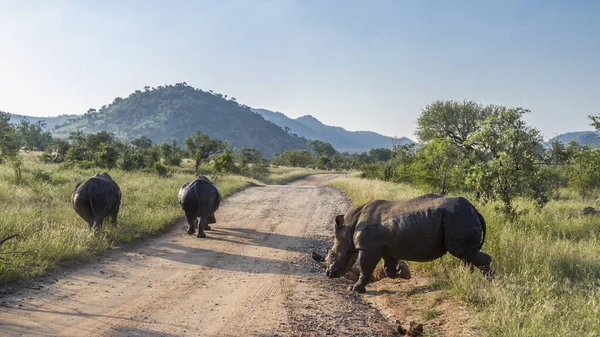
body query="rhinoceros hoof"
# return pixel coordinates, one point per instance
(404, 274)
(201, 235)
(207, 228)
(359, 288)
(191, 231)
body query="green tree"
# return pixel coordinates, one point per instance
(380, 154)
(225, 162)
(436, 164)
(31, 135)
(320, 148)
(200, 147)
(10, 145)
(296, 158)
(512, 149)
(56, 152)
(453, 120)
(584, 171)
(142, 142)
(323, 163)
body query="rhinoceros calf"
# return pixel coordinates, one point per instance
(419, 229)
(199, 198)
(96, 198)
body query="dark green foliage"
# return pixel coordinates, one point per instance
(294, 159)
(584, 171)
(31, 135)
(380, 154)
(200, 147)
(142, 142)
(225, 162)
(161, 170)
(320, 148)
(56, 152)
(10, 145)
(176, 111)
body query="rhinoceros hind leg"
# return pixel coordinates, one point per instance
(390, 266)
(404, 271)
(192, 223)
(480, 260)
(202, 226)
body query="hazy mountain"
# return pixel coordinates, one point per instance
(51, 122)
(176, 112)
(341, 139)
(580, 137)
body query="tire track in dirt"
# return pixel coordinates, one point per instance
(251, 276)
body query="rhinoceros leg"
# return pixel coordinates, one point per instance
(390, 266)
(480, 260)
(367, 262)
(404, 271)
(113, 216)
(394, 268)
(192, 223)
(202, 226)
(97, 224)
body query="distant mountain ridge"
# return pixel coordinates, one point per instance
(341, 139)
(51, 122)
(580, 137)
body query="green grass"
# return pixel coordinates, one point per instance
(50, 231)
(547, 264)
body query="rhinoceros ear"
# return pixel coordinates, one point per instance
(339, 220)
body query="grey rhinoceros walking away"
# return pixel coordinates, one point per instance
(199, 198)
(96, 198)
(419, 229)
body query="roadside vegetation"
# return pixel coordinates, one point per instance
(545, 251)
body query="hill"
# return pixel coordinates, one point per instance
(51, 122)
(176, 112)
(341, 139)
(580, 137)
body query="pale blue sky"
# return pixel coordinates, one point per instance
(369, 65)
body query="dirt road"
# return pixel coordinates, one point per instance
(252, 276)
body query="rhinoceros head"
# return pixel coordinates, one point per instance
(342, 256)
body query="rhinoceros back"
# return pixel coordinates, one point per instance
(412, 229)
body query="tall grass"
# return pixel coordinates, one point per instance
(50, 231)
(547, 264)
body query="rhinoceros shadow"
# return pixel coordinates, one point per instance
(229, 260)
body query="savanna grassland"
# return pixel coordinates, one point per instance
(40, 212)
(547, 265)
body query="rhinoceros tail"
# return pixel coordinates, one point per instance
(483, 227)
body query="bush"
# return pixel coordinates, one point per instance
(161, 170)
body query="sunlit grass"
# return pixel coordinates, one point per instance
(547, 264)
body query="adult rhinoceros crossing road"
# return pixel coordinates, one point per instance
(252, 276)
